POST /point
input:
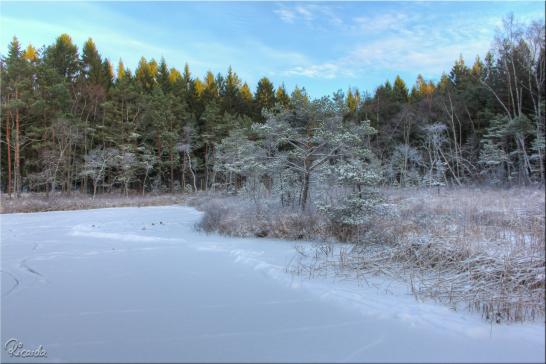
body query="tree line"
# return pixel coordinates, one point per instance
(72, 121)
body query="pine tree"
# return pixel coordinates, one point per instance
(107, 73)
(400, 91)
(210, 89)
(63, 57)
(264, 97)
(31, 54)
(459, 72)
(91, 62)
(15, 107)
(186, 79)
(174, 78)
(247, 100)
(352, 101)
(282, 97)
(163, 74)
(299, 97)
(146, 74)
(231, 93)
(210, 129)
(122, 73)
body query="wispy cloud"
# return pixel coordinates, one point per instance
(308, 14)
(290, 15)
(404, 41)
(324, 70)
(112, 43)
(395, 54)
(382, 22)
(251, 58)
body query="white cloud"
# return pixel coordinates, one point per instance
(416, 51)
(325, 70)
(405, 42)
(292, 14)
(250, 58)
(381, 22)
(310, 14)
(286, 15)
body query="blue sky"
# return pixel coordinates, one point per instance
(324, 46)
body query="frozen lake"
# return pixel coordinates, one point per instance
(140, 284)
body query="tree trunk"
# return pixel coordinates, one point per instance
(183, 175)
(8, 143)
(206, 167)
(144, 182)
(305, 192)
(192, 172)
(17, 151)
(171, 159)
(213, 179)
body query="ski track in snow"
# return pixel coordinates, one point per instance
(126, 284)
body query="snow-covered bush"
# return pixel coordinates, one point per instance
(235, 216)
(403, 167)
(355, 209)
(96, 164)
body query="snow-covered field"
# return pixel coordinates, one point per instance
(140, 284)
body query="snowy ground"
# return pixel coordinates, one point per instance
(139, 284)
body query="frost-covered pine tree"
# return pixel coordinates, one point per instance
(493, 160)
(147, 162)
(403, 167)
(186, 145)
(126, 165)
(96, 164)
(437, 163)
(311, 136)
(236, 157)
(349, 198)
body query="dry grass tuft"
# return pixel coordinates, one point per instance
(480, 248)
(36, 202)
(234, 216)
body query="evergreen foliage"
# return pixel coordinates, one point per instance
(69, 121)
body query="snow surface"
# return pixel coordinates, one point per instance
(140, 284)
